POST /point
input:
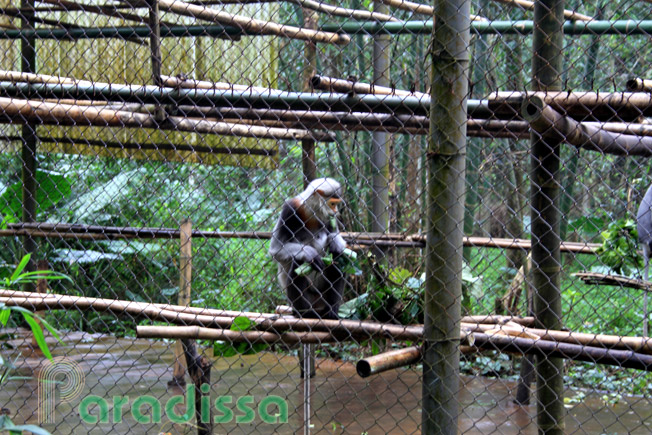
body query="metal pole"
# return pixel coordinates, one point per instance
(308, 358)
(380, 140)
(445, 195)
(544, 193)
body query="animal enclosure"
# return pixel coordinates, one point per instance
(486, 158)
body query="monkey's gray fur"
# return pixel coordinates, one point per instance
(305, 232)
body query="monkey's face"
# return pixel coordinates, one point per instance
(333, 203)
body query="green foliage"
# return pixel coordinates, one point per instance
(52, 189)
(618, 250)
(35, 323)
(226, 349)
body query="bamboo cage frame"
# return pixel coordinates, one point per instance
(582, 120)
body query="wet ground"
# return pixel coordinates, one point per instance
(342, 402)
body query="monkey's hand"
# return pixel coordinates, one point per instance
(336, 244)
(311, 257)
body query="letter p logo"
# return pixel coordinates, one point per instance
(64, 374)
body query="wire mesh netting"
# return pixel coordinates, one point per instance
(241, 216)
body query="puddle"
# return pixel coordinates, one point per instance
(342, 402)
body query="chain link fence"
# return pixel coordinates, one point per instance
(245, 216)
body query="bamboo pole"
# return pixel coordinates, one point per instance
(338, 11)
(202, 333)
(107, 11)
(583, 105)
(346, 86)
(188, 83)
(29, 142)
(446, 157)
(636, 344)
(544, 193)
(551, 350)
(308, 157)
(528, 5)
(249, 24)
(199, 369)
(23, 111)
(60, 230)
(550, 124)
(615, 280)
(419, 8)
(17, 76)
(639, 85)
(184, 297)
(380, 156)
(388, 360)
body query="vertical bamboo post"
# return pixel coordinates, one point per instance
(479, 90)
(185, 269)
(380, 150)
(445, 216)
(308, 163)
(199, 369)
(544, 193)
(571, 170)
(155, 41)
(28, 135)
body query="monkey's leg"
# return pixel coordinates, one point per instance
(334, 287)
(299, 291)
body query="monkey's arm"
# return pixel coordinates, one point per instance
(336, 243)
(286, 244)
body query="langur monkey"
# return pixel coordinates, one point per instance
(305, 232)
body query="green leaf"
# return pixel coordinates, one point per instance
(38, 335)
(223, 349)
(4, 316)
(51, 189)
(241, 323)
(20, 267)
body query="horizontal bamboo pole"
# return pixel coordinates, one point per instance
(251, 25)
(21, 111)
(639, 85)
(388, 360)
(244, 151)
(92, 303)
(345, 86)
(419, 8)
(338, 11)
(528, 5)
(412, 241)
(623, 127)
(495, 27)
(547, 122)
(624, 106)
(253, 337)
(188, 83)
(637, 344)
(546, 348)
(104, 10)
(17, 76)
(614, 280)
(492, 320)
(361, 330)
